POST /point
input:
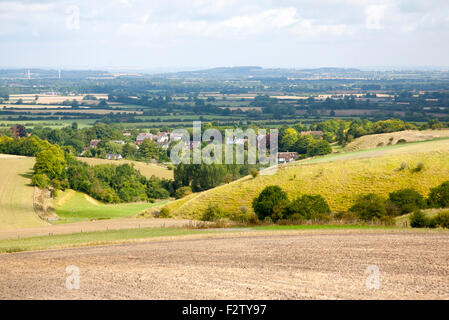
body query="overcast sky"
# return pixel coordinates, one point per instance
(201, 33)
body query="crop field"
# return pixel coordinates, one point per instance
(147, 169)
(16, 195)
(72, 206)
(49, 99)
(179, 264)
(339, 182)
(55, 124)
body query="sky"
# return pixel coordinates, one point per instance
(179, 34)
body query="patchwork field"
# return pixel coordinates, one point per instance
(147, 169)
(49, 99)
(16, 196)
(314, 264)
(338, 181)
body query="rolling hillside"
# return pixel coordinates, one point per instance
(383, 139)
(16, 196)
(147, 169)
(339, 178)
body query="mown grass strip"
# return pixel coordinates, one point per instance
(89, 238)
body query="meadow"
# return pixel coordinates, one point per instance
(73, 206)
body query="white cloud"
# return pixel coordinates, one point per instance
(374, 15)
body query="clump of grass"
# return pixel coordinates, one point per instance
(14, 249)
(419, 167)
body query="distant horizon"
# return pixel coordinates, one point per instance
(175, 69)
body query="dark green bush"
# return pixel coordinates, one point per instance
(254, 173)
(308, 207)
(439, 196)
(419, 167)
(40, 180)
(164, 213)
(369, 207)
(182, 192)
(270, 203)
(212, 213)
(419, 220)
(407, 200)
(441, 219)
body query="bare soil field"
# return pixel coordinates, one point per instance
(254, 265)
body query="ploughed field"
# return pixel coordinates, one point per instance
(312, 264)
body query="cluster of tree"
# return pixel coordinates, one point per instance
(272, 204)
(419, 220)
(306, 145)
(371, 207)
(203, 176)
(77, 140)
(108, 183)
(26, 146)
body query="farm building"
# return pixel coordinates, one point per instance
(313, 133)
(113, 156)
(94, 143)
(284, 157)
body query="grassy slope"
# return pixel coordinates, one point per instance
(16, 196)
(72, 206)
(338, 178)
(372, 141)
(147, 169)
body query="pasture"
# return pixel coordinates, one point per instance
(72, 206)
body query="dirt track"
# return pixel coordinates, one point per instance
(269, 265)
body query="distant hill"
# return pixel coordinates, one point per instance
(249, 72)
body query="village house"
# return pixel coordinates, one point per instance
(285, 157)
(162, 137)
(175, 136)
(143, 136)
(113, 156)
(94, 143)
(118, 141)
(318, 134)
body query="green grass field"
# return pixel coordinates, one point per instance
(147, 169)
(16, 195)
(72, 206)
(89, 238)
(339, 178)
